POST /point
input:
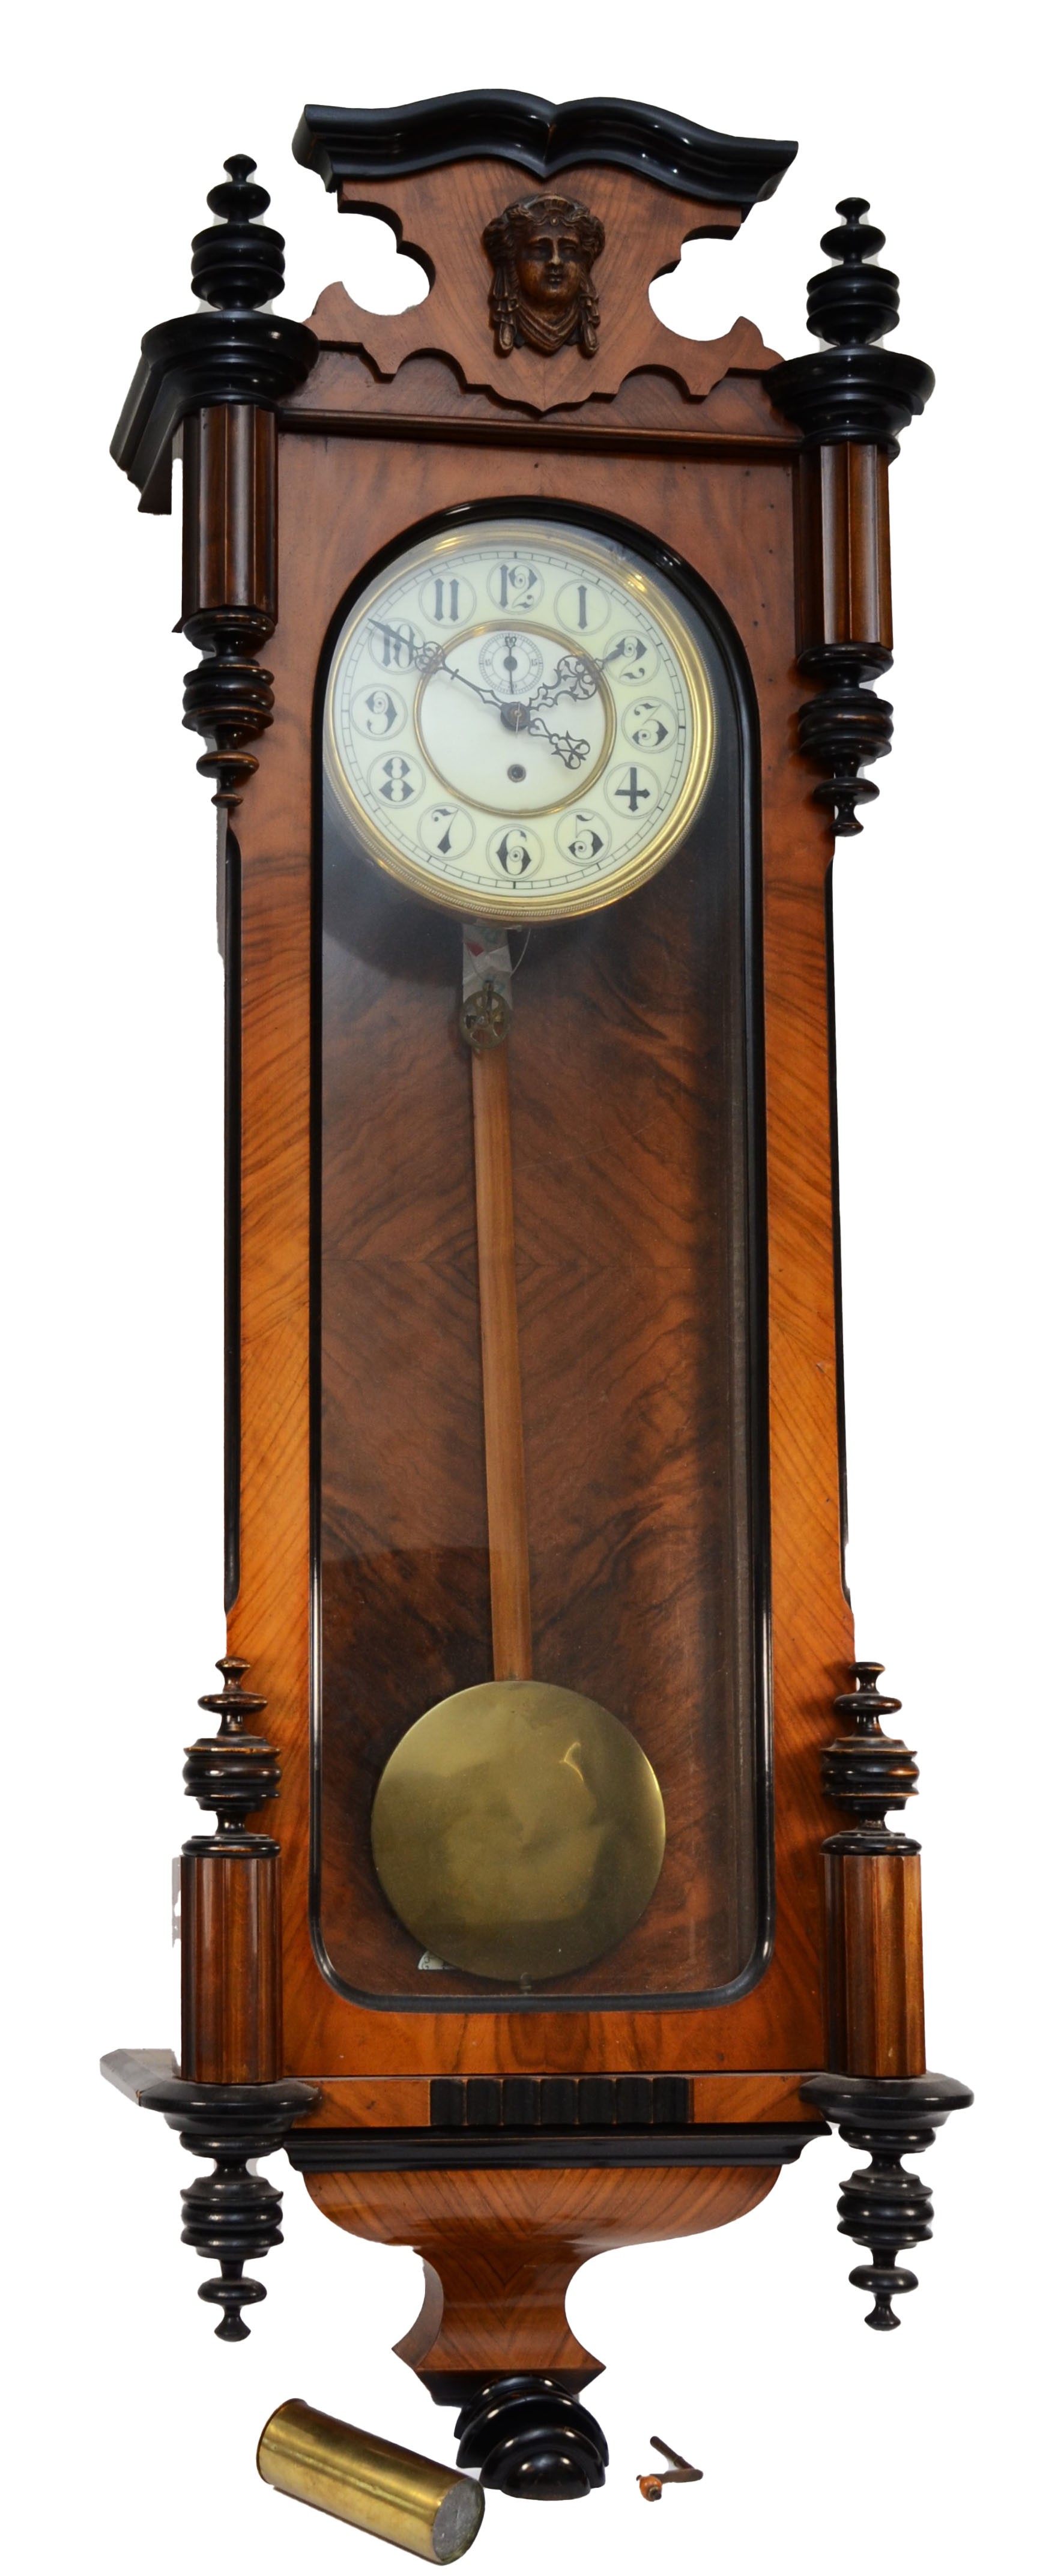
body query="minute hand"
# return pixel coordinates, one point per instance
(489, 696)
(573, 753)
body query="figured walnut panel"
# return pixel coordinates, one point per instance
(500, 2250)
(733, 521)
(625, 1059)
(440, 216)
(372, 2102)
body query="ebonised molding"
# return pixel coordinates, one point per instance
(347, 144)
(198, 359)
(231, 2216)
(882, 2207)
(453, 2150)
(560, 2101)
(529, 2436)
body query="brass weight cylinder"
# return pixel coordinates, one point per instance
(374, 2484)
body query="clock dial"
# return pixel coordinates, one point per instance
(519, 721)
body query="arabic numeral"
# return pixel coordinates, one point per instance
(396, 780)
(630, 788)
(394, 647)
(515, 585)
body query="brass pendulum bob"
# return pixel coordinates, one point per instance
(518, 1828)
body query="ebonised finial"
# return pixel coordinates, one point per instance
(233, 1772)
(868, 1771)
(853, 302)
(232, 2215)
(238, 263)
(852, 392)
(881, 2207)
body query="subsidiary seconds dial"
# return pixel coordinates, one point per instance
(519, 722)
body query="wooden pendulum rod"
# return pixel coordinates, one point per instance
(485, 1020)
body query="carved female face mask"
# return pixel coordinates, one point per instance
(543, 250)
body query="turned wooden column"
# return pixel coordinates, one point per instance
(231, 1903)
(229, 583)
(851, 401)
(877, 2086)
(873, 1907)
(873, 1896)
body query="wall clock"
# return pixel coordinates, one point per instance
(572, 1924)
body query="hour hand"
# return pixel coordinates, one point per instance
(575, 677)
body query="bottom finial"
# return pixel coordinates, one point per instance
(880, 2206)
(231, 2215)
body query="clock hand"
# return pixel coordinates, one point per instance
(517, 716)
(573, 753)
(575, 677)
(488, 696)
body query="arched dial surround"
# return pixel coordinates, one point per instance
(519, 723)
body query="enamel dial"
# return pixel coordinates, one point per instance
(519, 724)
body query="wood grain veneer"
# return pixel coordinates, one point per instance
(876, 2010)
(627, 1142)
(734, 521)
(230, 1989)
(500, 2250)
(442, 214)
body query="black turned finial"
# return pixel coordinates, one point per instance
(852, 393)
(231, 353)
(238, 263)
(530, 2437)
(853, 302)
(868, 1771)
(232, 2215)
(233, 1772)
(881, 2207)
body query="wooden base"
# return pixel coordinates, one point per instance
(500, 2249)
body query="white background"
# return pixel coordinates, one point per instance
(746, 2349)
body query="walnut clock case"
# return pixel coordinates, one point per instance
(538, 650)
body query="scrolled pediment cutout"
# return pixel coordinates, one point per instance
(441, 217)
